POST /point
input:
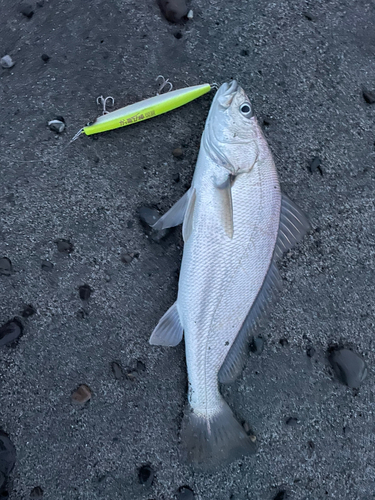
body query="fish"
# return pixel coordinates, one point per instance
(236, 224)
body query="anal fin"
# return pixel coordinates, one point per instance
(168, 332)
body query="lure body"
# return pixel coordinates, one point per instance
(145, 109)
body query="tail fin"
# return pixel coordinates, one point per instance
(213, 441)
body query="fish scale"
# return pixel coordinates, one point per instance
(236, 224)
(215, 272)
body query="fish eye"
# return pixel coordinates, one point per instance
(245, 109)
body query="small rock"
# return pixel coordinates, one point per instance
(244, 52)
(82, 314)
(190, 15)
(308, 16)
(185, 493)
(141, 367)
(257, 344)
(56, 126)
(6, 267)
(10, 332)
(129, 224)
(173, 10)
(348, 366)
(292, 421)
(117, 370)
(310, 351)
(130, 373)
(36, 492)
(27, 10)
(178, 35)
(178, 153)
(127, 258)
(45, 57)
(28, 311)
(81, 395)
(2, 481)
(148, 217)
(267, 122)
(46, 265)
(176, 178)
(7, 62)
(281, 495)
(283, 342)
(315, 165)
(369, 96)
(64, 246)
(7, 454)
(84, 292)
(146, 475)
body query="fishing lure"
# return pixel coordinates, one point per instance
(143, 110)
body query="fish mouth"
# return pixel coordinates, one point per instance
(226, 93)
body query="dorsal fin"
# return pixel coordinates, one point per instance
(292, 227)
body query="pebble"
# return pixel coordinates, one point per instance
(146, 475)
(173, 10)
(82, 314)
(28, 311)
(46, 265)
(7, 454)
(27, 10)
(292, 421)
(281, 495)
(10, 332)
(57, 126)
(283, 342)
(64, 246)
(257, 344)
(244, 52)
(45, 57)
(6, 267)
(7, 62)
(117, 370)
(84, 292)
(369, 96)
(348, 366)
(310, 351)
(190, 15)
(36, 492)
(148, 217)
(81, 395)
(178, 153)
(141, 367)
(185, 493)
(315, 165)
(127, 258)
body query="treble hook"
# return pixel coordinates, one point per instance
(104, 101)
(164, 83)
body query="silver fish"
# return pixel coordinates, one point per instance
(236, 225)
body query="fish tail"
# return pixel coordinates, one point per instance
(211, 440)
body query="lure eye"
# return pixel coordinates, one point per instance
(245, 109)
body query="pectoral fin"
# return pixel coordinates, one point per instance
(175, 214)
(187, 227)
(225, 193)
(168, 332)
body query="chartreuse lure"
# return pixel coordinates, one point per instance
(145, 109)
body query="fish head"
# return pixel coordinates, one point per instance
(232, 135)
